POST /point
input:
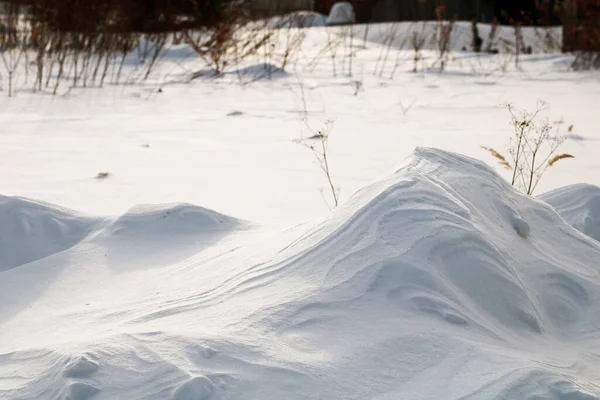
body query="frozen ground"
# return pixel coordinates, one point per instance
(434, 281)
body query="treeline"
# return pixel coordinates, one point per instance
(122, 16)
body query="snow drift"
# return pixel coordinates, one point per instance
(579, 205)
(31, 230)
(438, 282)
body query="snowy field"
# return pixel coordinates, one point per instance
(205, 259)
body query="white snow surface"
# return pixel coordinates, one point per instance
(439, 281)
(32, 230)
(579, 205)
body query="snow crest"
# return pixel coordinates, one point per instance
(438, 282)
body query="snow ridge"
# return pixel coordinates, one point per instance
(438, 282)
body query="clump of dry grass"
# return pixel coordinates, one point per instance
(501, 159)
(559, 157)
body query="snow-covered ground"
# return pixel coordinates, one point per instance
(434, 279)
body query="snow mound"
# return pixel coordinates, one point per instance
(197, 388)
(81, 391)
(158, 235)
(341, 13)
(81, 367)
(579, 205)
(438, 282)
(446, 238)
(31, 230)
(169, 219)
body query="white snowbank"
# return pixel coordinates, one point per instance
(579, 205)
(30, 230)
(438, 282)
(156, 236)
(341, 13)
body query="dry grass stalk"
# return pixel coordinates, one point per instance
(501, 159)
(559, 157)
(533, 147)
(318, 144)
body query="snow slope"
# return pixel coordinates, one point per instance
(437, 282)
(579, 205)
(31, 230)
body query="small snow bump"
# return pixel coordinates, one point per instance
(82, 367)
(81, 391)
(196, 388)
(208, 353)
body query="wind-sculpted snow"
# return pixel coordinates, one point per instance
(438, 282)
(579, 205)
(31, 230)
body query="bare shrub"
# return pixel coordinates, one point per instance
(12, 44)
(491, 43)
(294, 37)
(388, 42)
(40, 41)
(357, 86)
(212, 46)
(81, 41)
(586, 60)
(581, 33)
(418, 41)
(158, 41)
(476, 40)
(546, 39)
(443, 36)
(401, 56)
(533, 147)
(520, 47)
(125, 45)
(333, 43)
(318, 144)
(230, 41)
(348, 32)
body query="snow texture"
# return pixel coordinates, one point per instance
(579, 205)
(30, 230)
(439, 281)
